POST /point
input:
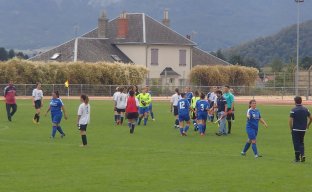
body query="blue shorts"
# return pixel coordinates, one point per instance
(184, 117)
(252, 133)
(202, 116)
(143, 110)
(56, 118)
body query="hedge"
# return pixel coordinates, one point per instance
(234, 75)
(29, 72)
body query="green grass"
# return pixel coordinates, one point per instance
(155, 158)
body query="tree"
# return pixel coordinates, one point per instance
(250, 62)
(306, 62)
(236, 59)
(3, 54)
(277, 65)
(220, 55)
(11, 54)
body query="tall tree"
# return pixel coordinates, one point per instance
(306, 62)
(3, 54)
(277, 65)
(11, 54)
(236, 59)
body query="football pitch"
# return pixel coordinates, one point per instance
(155, 158)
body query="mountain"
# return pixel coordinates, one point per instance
(282, 45)
(213, 24)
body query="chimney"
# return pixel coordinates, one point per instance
(102, 25)
(166, 20)
(122, 30)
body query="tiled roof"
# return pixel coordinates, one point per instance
(200, 57)
(88, 50)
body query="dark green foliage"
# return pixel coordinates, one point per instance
(281, 45)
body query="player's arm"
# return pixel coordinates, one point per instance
(149, 99)
(33, 95)
(232, 108)
(64, 111)
(171, 104)
(290, 123)
(48, 110)
(263, 122)
(79, 115)
(310, 121)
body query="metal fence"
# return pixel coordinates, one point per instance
(108, 90)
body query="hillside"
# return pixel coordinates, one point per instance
(35, 24)
(282, 45)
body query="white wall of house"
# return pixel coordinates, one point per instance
(168, 56)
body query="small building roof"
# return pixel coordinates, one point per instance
(169, 72)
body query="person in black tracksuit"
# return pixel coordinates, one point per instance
(298, 123)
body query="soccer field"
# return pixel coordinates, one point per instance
(155, 158)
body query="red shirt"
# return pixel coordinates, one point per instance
(131, 105)
(9, 94)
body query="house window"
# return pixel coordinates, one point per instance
(182, 58)
(171, 80)
(154, 56)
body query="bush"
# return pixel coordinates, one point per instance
(234, 75)
(29, 72)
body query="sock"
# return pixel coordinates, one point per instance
(176, 122)
(200, 128)
(121, 119)
(59, 128)
(84, 139)
(129, 125)
(145, 120)
(115, 118)
(194, 122)
(38, 118)
(132, 128)
(181, 130)
(254, 148)
(204, 128)
(35, 117)
(152, 115)
(297, 155)
(139, 120)
(54, 129)
(118, 118)
(246, 147)
(229, 126)
(186, 128)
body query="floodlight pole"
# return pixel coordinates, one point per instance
(298, 41)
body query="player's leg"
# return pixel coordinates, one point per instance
(54, 128)
(122, 116)
(151, 111)
(247, 146)
(296, 143)
(223, 124)
(229, 120)
(181, 126)
(135, 116)
(302, 155)
(118, 116)
(187, 125)
(8, 110)
(83, 133)
(146, 111)
(58, 119)
(141, 114)
(14, 109)
(115, 115)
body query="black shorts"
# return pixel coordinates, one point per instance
(132, 115)
(38, 104)
(120, 110)
(83, 127)
(175, 110)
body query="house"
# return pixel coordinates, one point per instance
(139, 39)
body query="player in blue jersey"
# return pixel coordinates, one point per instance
(202, 107)
(57, 109)
(253, 118)
(184, 114)
(189, 94)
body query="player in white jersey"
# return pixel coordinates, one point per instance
(37, 95)
(121, 104)
(114, 99)
(174, 105)
(83, 118)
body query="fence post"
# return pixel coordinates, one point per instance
(81, 89)
(53, 87)
(25, 90)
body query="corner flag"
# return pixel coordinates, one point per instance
(66, 84)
